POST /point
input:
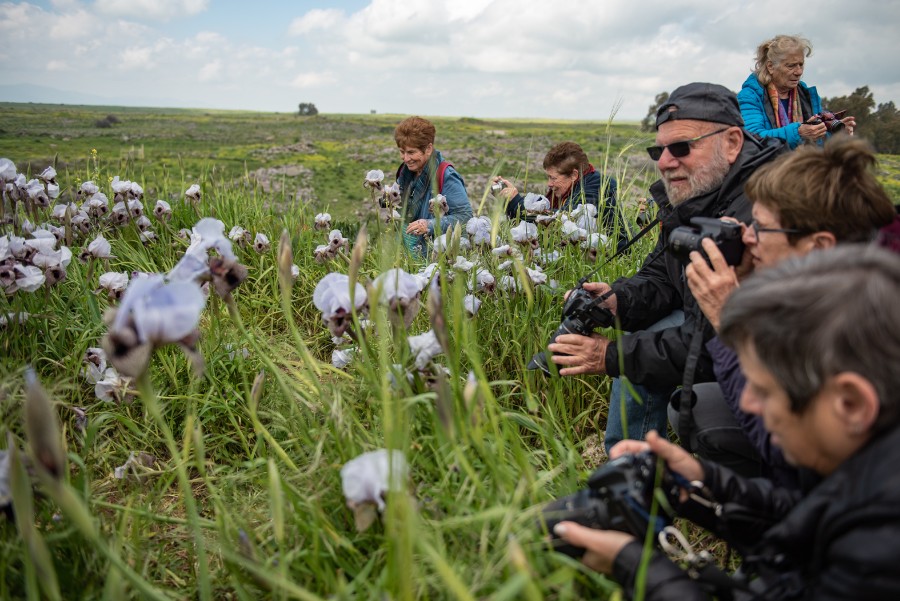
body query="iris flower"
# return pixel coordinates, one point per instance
(99, 248)
(525, 233)
(367, 479)
(479, 229)
(472, 304)
(342, 358)
(462, 264)
(162, 211)
(399, 291)
(115, 283)
(392, 195)
(439, 206)
(484, 281)
(536, 203)
(97, 205)
(332, 298)
(424, 348)
(154, 313)
(374, 180)
(261, 243)
(323, 221)
(240, 236)
(192, 194)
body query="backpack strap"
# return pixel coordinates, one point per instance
(442, 167)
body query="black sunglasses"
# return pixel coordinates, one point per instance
(679, 149)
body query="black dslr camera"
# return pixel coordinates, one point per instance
(725, 234)
(619, 497)
(581, 314)
(831, 120)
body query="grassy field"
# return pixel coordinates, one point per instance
(236, 490)
(318, 160)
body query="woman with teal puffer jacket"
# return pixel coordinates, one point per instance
(776, 104)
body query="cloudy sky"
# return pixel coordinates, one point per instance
(576, 59)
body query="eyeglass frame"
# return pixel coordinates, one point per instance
(754, 225)
(687, 145)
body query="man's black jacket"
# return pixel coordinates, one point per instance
(657, 359)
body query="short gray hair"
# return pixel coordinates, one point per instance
(775, 50)
(810, 318)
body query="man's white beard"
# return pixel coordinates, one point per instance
(701, 181)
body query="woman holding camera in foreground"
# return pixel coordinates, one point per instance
(571, 181)
(805, 201)
(775, 103)
(819, 341)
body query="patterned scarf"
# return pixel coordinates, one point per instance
(781, 115)
(418, 189)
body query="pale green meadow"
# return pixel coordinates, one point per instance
(213, 471)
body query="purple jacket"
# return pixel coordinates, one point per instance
(732, 381)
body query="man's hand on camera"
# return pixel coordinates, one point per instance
(601, 546)
(678, 460)
(579, 354)
(598, 289)
(711, 286)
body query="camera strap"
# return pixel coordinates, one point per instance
(701, 567)
(619, 252)
(686, 405)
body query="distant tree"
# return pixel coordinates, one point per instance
(859, 104)
(881, 127)
(104, 123)
(307, 109)
(649, 122)
(884, 128)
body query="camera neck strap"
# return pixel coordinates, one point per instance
(619, 252)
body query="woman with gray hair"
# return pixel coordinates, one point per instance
(776, 103)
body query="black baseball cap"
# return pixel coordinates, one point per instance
(701, 102)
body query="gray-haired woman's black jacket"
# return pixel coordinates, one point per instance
(840, 541)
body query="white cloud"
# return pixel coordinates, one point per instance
(156, 10)
(312, 79)
(210, 71)
(567, 58)
(316, 19)
(136, 58)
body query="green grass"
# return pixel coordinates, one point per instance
(244, 499)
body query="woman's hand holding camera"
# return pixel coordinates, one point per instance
(813, 132)
(679, 461)
(602, 546)
(508, 190)
(712, 283)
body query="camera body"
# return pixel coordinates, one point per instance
(619, 497)
(831, 120)
(582, 313)
(725, 234)
(497, 186)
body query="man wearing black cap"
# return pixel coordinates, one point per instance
(704, 157)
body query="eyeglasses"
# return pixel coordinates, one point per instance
(754, 225)
(679, 149)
